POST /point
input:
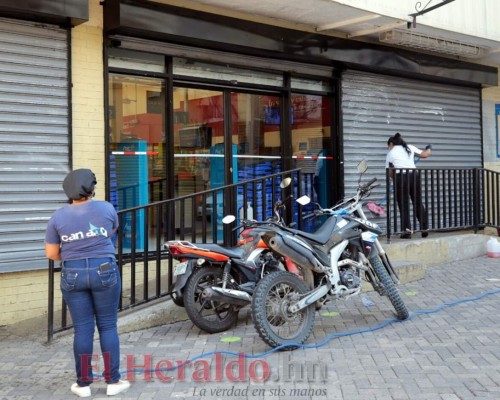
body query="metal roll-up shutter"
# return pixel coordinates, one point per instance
(376, 106)
(34, 140)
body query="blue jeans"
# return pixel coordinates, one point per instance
(92, 294)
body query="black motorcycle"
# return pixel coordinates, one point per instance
(333, 260)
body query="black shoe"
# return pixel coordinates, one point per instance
(405, 236)
(425, 234)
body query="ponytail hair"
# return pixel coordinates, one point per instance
(397, 140)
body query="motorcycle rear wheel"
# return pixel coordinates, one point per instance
(210, 316)
(272, 320)
(390, 289)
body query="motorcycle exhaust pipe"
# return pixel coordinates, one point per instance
(295, 252)
(230, 296)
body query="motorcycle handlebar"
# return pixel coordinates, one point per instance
(348, 203)
(340, 209)
(247, 223)
(369, 183)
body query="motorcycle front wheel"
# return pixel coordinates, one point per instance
(276, 325)
(390, 289)
(211, 316)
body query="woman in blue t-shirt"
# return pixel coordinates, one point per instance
(80, 236)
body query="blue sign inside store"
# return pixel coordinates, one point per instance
(497, 119)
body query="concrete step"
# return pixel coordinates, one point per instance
(407, 271)
(437, 248)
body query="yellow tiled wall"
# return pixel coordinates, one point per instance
(88, 96)
(24, 295)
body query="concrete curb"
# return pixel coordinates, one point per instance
(438, 248)
(157, 313)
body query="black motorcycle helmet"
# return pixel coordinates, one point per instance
(79, 183)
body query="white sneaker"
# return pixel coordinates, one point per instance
(118, 387)
(82, 391)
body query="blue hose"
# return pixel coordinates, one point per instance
(324, 341)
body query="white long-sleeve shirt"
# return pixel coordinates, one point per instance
(399, 158)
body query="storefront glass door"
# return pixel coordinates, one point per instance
(198, 146)
(209, 125)
(312, 147)
(136, 144)
(256, 140)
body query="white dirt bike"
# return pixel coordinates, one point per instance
(333, 260)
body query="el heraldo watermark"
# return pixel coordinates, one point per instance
(219, 368)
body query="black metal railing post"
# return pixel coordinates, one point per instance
(50, 308)
(388, 201)
(476, 199)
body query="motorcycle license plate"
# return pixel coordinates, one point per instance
(180, 269)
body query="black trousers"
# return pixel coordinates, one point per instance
(407, 184)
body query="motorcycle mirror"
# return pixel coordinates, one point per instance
(304, 200)
(362, 166)
(285, 182)
(228, 219)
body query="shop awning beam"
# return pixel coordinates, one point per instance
(376, 29)
(346, 22)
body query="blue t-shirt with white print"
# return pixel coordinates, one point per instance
(83, 230)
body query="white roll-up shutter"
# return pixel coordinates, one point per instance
(375, 107)
(34, 140)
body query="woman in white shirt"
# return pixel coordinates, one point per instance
(407, 182)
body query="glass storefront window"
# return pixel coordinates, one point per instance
(198, 146)
(225, 73)
(198, 140)
(311, 144)
(256, 142)
(200, 135)
(136, 158)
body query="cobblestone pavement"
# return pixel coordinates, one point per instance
(451, 354)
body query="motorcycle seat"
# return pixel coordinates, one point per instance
(323, 233)
(231, 252)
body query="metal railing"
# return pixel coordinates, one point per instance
(146, 268)
(452, 199)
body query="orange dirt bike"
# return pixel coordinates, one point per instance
(214, 282)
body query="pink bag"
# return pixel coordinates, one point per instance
(376, 209)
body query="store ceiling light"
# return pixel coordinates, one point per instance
(432, 43)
